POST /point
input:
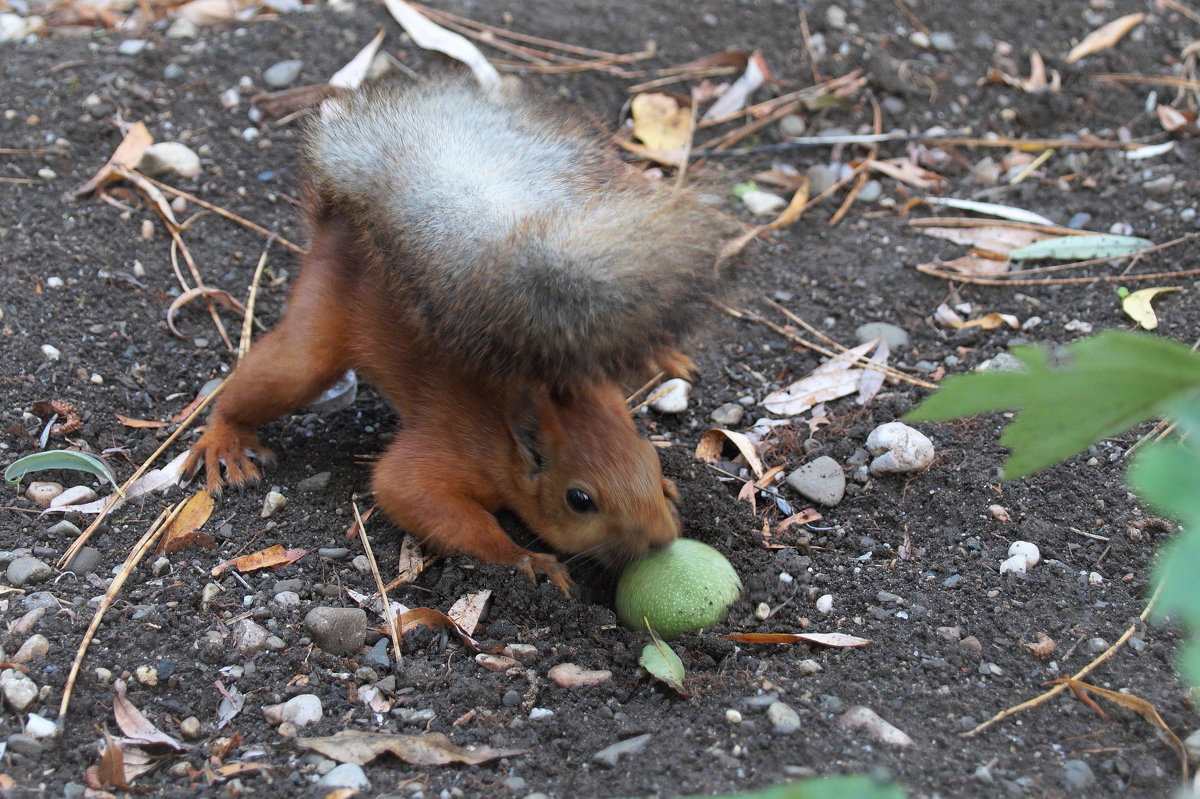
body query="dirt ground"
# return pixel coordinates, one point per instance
(911, 561)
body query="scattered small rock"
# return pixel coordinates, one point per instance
(1077, 775)
(1029, 551)
(999, 513)
(282, 73)
(51, 352)
(26, 571)
(673, 396)
(86, 561)
(39, 726)
(609, 755)
(249, 638)
(539, 713)
(42, 493)
(346, 775)
(728, 415)
(899, 448)
(733, 716)
(867, 720)
(820, 178)
(942, 42)
(297, 711)
(170, 157)
(494, 662)
(339, 631)
(35, 648)
(75, 495)
(190, 728)
(272, 502)
(19, 691)
(26, 745)
(784, 720)
(792, 125)
(315, 483)
(570, 675)
(64, 528)
(525, 653)
(821, 480)
(825, 604)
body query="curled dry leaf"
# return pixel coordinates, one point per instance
(1175, 121)
(184, 529)
(836, 640)
(355, 72)
(662, 122)
(136, 727)
(1105, 36)
(971, 266)
(837, 377)
(907, 172)
(263, 559)
(713, 442)
(428, 617)
(1137, 305)
(1036, 82)
(1043, 647)
(431, 749)
(128, 152)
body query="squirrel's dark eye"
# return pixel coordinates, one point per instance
(580, 501)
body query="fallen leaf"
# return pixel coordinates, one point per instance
(137, 727)
(992, 321)
(127, 154)
(736, 96)
(355, 71)
(187, 522)
(823, 639)
(972, 266)
(1036, 82)
(430, 36)
(466, 611)
(989, 209)
(837, 377)
(263, 559)
(232, 702)
(872, 379)
(411, 561)
(713, 441)
(1137, 305)
(111, 771)
(140, 423)
(661, 121)
(58, 459)
(662, 663)
(210, 12)
(907, 172)
(1080, 248)
(1150, 151)
(430, 749)
(1105, 36)
(1175, 121)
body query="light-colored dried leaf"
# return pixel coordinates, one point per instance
(1105, 36)
(137, 727)
(430, 36)
(267, 558)
(467, 610)
(430, 749)
(661, 121)
(127, 154)
(735, 97)
(907, 172)
(713, 441)
(355, 71)
(836, 640)
(1137, 305)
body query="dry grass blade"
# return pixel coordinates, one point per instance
(252, 297)
(100, 517)
(134, 558)
(219, 211)
(1079, 675)
(863, 174)
(383, 597)
(1138, 705)
(840, 352)
(1151, 80)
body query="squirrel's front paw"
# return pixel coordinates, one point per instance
(535, 563)
(226, 443)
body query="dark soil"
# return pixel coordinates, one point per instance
(904, 557)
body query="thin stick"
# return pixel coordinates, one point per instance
(383, 597)
(662, 392)
(863, 176)
(248, 319)
(649, 384)
(1058, 689)
(139, 551)
(184, 425)
(219, 211)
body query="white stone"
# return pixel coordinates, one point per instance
(672, 396)
(272, 502)
(39, 726)
(1027, 550)
(899, 448)
(75, 495)
(762, 203)
(170, 157)
(19, 691)
(51, 352)
(346, 775)
(297, 711)
(825, 604)
(1016, 564)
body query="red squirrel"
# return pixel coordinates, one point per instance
(498, 273)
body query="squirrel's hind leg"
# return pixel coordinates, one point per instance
(304, 355)
(435, 503)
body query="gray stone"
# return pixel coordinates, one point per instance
(871, 191)
(40, 599)
(378, 654)
(728, 415)
(315, 483)
(339, 631)
(282, 73)
(609, 755)
(131, 46)
(35, 648)
(942, 42)
(1159, 187)
(249, 638)
(896, 337)
(346, 775)
(1077, 775)
(820, 178)
(783, 718)
(792, 125)
(25, 571)
(26, 745)
(86, 561)
(821, 481)
(64, 528)
(1079, 221)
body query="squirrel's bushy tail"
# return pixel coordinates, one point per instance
(526, 247)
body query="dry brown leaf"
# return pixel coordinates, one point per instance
(1175, 121)
(991, 321)
(1138, 705)
(129, 421)
(973, 266)
(822, 639)
(1105, 36)
(187, 523)
(430, 749)
(837, 377)
(137, 728)
(712, 443)
(467, 610)
(411, 562)
(127, 154)
(1036, 82)
(428, 617)
(111, 771)
(263, 559)
(428, 35)
(68, 421)
(662, 121)
(997, 238)
(907, 172)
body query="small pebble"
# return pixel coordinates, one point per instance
(728, 415)
(75, 495)
(820, 178)
(339, 631)
(792, 126)
(899, 448)
(942, 42)
(19, 691)
(346, 775)
(867, 720)
(673, 396)
(131, 46)
(762, 203)
(26, 571)
(35, 648)
(733, 716)
(1077, 775)
(569, 675)
(825, 604)
(51, 352)
(539, 713)
(39, 726)
(821, 480)
(170, 157)
(999, 513)
(26, 745)
(783, 718)
(630, 746)
(190, 728)
(43, 493)
(315, 483)
(298, 711)
(146, 675)
(272, 502)
(282, 73)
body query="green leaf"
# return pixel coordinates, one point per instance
(1114, 381)
(1167, 475)
(1080, 248)
(848, 787)
(58, 459)
(662, 663)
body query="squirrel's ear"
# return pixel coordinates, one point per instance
(525, 426)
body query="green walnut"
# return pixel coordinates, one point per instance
(685, 586)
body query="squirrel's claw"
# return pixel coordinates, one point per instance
(225, 443)
(534, 564)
